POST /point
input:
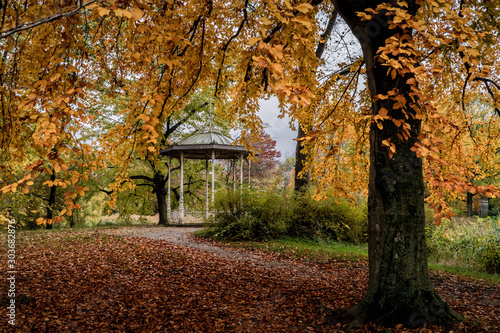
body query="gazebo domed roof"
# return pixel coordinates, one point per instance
(208, 137)
(201, 144)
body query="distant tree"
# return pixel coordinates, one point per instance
(268, 158)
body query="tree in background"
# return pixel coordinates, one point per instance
(262, 167)
(268, 158)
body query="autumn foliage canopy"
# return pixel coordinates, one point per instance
(60, 59)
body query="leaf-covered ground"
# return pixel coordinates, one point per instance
(91, 281)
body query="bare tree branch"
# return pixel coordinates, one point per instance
(48, 19)
(341, 97)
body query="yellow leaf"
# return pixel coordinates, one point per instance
(364, 16)
(261, 61)
(304, 21)
(55, 77)
(253, 40)
(40, 220)
(123, 12)
(277, 68)
(265, 21)
(29, 183)
(143, 117)
(74, 179)
(165, 61)
(80, 191)
(147, 127)
(383, 112)
(304, 8)
(136, 13)
(26, 190)
(394, 73)
(102, 11)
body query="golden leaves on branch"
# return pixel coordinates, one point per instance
(134, 13)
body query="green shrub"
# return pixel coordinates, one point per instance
(261, 215)
(494, 207)
(489, 252)
(473, 242)
(327, 219)
(245, 216)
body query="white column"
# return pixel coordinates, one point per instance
(206, 188)
(169, 209)
(234, 175)
(241, 169)
(213, 178)
(181, 200)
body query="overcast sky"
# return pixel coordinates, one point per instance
(278, 129)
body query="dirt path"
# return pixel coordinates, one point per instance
(183, 236)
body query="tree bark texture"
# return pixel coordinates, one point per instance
(399, 288)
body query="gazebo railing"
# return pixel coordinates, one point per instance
(190, 217)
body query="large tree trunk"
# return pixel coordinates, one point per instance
(399, 288)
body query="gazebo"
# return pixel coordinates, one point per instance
(203, 145)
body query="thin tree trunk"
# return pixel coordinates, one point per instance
(302, 182)
(51, 201)
(470, 196)
(399, 288)
(159, 181)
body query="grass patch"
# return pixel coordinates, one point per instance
(472, 243)
(327, 250)
(465, 271)
(307, 250)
